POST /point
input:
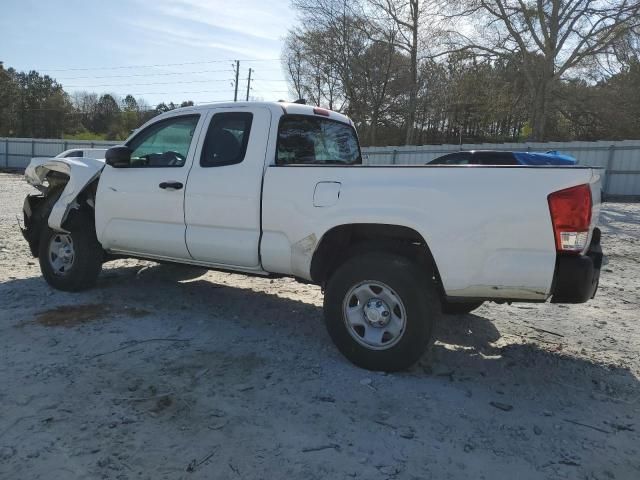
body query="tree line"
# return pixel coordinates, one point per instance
(439, 71)
(37, 106)
(413, 72)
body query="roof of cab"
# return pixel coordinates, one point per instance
(285, 107)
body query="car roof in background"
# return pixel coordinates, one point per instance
(546, 158)
(72, 150)
(524, 157)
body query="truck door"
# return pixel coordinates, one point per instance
(224, 189)
(140, 207)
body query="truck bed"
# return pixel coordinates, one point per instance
(488, 227)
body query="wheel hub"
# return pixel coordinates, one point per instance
(61, 253)
(65, 254)
(377, 312)
(374, 315)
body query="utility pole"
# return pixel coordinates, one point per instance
(248, 84)
(235, 95)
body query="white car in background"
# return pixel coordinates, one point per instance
(97, 153)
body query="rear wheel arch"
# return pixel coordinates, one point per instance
(342, 242)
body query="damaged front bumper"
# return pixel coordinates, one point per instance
(32, 229)
(577, 276)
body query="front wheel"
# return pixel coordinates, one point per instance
(71, 260)
(380, 310)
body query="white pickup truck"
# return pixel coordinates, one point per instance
(280, 189)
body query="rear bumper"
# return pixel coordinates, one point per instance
(576, 277)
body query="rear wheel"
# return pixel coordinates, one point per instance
(380, 310)
(72, 260)
(459, 308)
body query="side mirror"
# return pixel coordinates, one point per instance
(118, 157)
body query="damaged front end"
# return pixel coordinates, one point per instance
(64, 184)
(31, 227)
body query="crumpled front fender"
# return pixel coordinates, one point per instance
(81, 172)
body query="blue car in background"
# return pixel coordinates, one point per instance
(498, 157)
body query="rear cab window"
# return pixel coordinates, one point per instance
(309, 140)
(227, 139)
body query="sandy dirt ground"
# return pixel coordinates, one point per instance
(178, 373)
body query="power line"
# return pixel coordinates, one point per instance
(149, 74)
(272, 91)
(155, 65)
(204, 102)
(145, 84)
(168, 93)
(122, 112)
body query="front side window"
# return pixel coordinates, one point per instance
(303, 139)
(227, 139)
(165, 143)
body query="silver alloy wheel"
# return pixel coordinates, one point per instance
(374, 315)
(61, 253)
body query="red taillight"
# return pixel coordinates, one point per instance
(571, 217)
(321, 111)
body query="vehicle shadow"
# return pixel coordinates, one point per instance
(467, 347)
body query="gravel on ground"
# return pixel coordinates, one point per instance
(173, 372)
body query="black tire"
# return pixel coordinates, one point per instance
(411, 284)
(455, 308)
(87, 258)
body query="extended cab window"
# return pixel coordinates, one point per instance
(165, 143)
(303, 139)
(227, 139)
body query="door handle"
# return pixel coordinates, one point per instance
(171, 185)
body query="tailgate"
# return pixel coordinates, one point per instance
(577, 274)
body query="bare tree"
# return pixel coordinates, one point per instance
(408, 19)
(402, 23)
(552, 38)
(292, 62)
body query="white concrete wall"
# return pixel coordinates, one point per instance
(621, 159)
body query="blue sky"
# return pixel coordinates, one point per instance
(90, 45)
